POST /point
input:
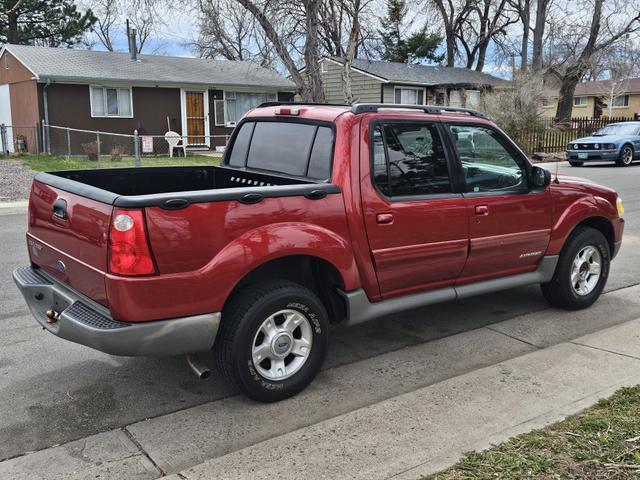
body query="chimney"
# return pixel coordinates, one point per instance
(133, 48)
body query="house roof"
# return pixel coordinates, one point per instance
(427, 75)
(602, 88)
(63, 64)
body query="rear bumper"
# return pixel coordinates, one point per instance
(80, 320)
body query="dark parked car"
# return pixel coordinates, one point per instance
(617, 142)
(317, 215)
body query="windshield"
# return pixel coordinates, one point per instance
(617, 129)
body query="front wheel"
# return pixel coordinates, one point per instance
(626, 156)
(273, 340)
(582, 271)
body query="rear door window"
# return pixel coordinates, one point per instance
(409, 160)
(297, 149)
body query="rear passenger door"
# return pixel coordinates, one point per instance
(509, 220)
(416, 225)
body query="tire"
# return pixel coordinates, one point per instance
(242, 333)
(626, 156)
(561, 291)
(576, 164)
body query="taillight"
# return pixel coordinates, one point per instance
(129, 252)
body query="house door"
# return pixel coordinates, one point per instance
(196, 117)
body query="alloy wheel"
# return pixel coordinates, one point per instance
(282, 344)
(586, 270)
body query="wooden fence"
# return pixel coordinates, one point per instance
(550, 138)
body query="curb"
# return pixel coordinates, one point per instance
(12, 208)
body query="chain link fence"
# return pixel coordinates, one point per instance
(16, 139)
(93, 148)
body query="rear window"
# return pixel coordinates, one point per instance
(297, 149)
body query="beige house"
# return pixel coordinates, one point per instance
(389, 82)
(601, 98)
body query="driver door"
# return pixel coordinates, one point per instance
(509, 222)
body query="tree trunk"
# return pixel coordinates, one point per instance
(538, 34)
(12, 30)
(451, 45)
(449, 33)
(350, 53)
(567, 90)
(525, 17)
(576, 71)
(314, 92)
(482, 55)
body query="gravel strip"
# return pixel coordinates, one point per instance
(15, 180)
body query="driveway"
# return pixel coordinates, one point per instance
(54, 392)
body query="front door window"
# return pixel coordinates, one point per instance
(489, 165)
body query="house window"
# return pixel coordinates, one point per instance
(324, 67)
(111, 102)
(621, 101)
(580, 101)
(546, 102)
(218, 111)
(409, 96)
(239, 103)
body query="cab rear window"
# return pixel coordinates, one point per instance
(297, 149)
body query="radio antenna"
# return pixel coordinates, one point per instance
(556, 179)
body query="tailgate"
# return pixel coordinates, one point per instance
(68, 237)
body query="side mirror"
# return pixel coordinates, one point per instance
(540, 178)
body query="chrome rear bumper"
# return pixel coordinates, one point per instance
(78, 319)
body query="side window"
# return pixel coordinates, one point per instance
(488, 161)
(413, 162)
(380, 171)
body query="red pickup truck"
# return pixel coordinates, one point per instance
(318, 214)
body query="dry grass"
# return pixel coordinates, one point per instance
(603, 442)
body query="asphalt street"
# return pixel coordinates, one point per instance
(53, 391)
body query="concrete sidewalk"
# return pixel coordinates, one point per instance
(427, 430)
(397, 415)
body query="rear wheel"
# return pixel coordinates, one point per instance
(626, 156)
(582, 271)
(273, 340)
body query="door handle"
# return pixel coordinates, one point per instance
(384, 218)
(482, 209)
(60, 209)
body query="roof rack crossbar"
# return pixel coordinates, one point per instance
(278, 104)
(433, 109)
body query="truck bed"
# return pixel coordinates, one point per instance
(176, 187)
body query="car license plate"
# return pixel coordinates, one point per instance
(583, 156)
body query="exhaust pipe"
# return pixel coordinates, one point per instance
(200, 369)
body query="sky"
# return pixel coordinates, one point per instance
(179, 28)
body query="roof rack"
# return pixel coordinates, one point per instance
(433, 109)
(278, 104)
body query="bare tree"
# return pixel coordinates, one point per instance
(453, 15)
(350, 52)
(542, 11)
(605, 28)
(266, 14)
(112, 14)
(486, 20)
(523, 10)
(231, 33)
(107, 13)
(144, 18)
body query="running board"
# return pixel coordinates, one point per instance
(360, 310)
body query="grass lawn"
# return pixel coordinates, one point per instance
(44, 163)
(603, 442)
